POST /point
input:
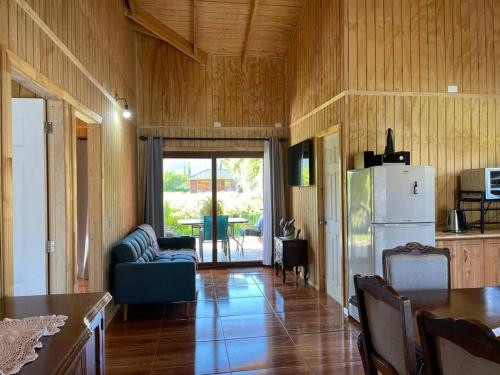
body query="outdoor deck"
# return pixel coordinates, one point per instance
(252, 251)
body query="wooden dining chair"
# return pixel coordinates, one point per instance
(416, 267)
(386, 340)
(458, 347)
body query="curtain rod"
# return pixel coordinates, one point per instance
(143, 138)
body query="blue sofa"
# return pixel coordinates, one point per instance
(139, 275)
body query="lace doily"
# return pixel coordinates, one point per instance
(20, 337)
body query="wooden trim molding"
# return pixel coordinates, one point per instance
(329, 131)
(329, 102)
(352, 93)
(6, 176)
(29, 76)
(421, 94)
(59, 43)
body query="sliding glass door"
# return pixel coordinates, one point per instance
(230, 231)
(187, 200)
(240, 199)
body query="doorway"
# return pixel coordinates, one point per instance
(192, 182)
(89, 258)
(332, 216)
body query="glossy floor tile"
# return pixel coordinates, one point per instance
(244, 321)
(262, 352)
(246, 326)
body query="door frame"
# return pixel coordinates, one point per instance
(13, 68)
(96, 257)
(337, 128)
(213, 156)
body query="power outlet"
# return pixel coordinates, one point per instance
(217, 124)
(452, 89)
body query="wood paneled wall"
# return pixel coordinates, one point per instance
(402, 56)
(175, 90)
(315, 76)
(397, 58)
(99, 36)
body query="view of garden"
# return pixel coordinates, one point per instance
(187, 191)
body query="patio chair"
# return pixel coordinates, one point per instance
(253, 230)
(222, 232)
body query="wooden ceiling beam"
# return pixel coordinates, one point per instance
(195, 27)
(165, 33)
(251, 21)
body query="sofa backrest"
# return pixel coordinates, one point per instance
(134, 248)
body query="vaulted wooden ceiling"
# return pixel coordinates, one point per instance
(230, 27)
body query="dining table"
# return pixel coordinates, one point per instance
(482, 304)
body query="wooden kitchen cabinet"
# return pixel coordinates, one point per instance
(475, 263)
(471, 262)
(454, 261)
(491, 261)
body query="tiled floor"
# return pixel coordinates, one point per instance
(245, 321)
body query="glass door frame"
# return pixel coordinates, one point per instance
(213, 156)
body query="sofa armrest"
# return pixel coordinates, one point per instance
(154, 282)
(172, 243)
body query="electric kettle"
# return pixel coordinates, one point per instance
(456, 221)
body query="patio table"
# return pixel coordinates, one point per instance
(198, 223)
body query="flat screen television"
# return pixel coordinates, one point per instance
(301, 164)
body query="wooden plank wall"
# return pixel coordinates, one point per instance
(98, 34)
(402, 56)
(175, 90)
(315, 75)
(399, 56)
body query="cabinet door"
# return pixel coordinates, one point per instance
(472, 263)
(455, 268)
(492, 262)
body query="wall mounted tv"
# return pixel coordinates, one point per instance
(301, 164)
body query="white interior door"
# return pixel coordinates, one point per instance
(29, 196)
(333, 216)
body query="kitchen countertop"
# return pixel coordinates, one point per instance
(469, 234)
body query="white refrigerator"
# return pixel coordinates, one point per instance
(388, 206)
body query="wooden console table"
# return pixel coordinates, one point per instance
(79, 347)
(290, 253)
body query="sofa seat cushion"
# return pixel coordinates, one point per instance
(175, 257)
(188, 253)
(173, 260)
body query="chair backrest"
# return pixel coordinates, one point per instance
(458, 347)
(387, 327)
(415, 266)
(222, 228)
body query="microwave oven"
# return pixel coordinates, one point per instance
(485, 180)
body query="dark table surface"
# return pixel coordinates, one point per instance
(57, 348)
(474, 303)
